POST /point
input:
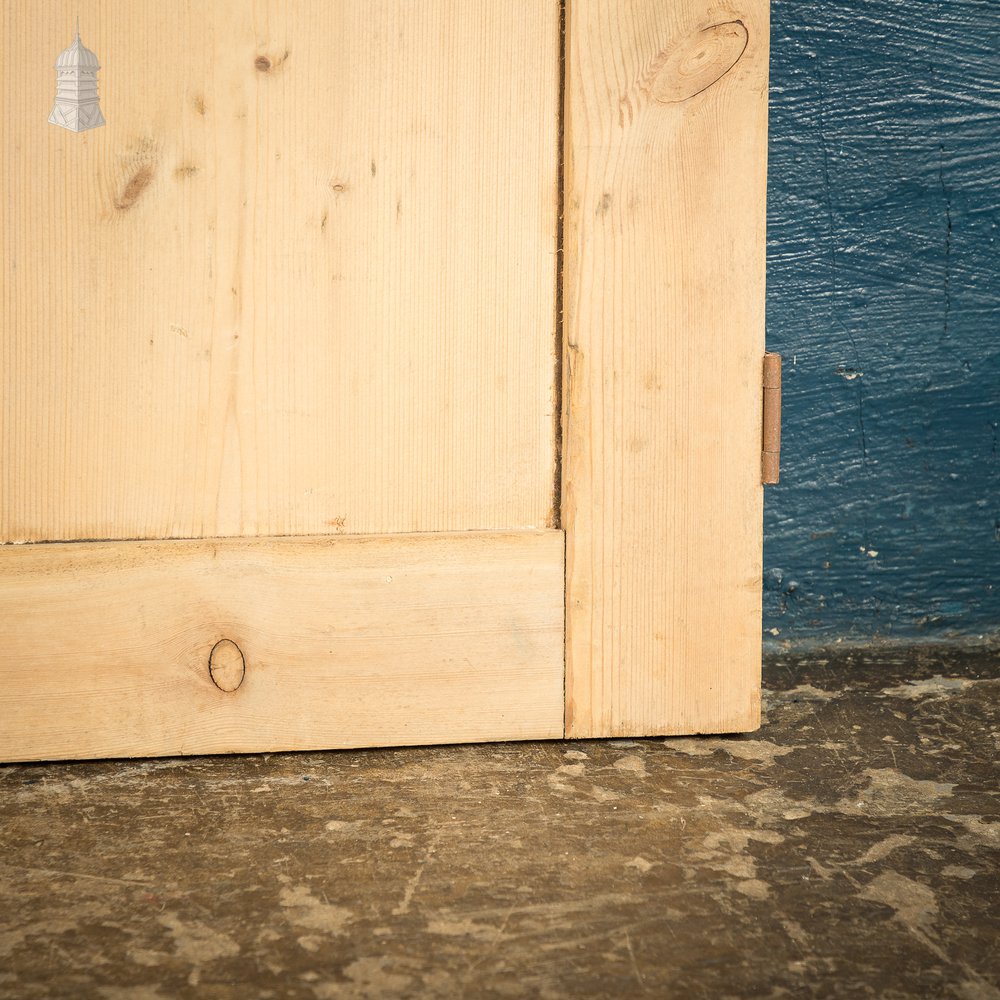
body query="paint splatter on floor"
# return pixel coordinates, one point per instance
(851, 848)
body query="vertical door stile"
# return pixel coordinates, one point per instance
(665, 183)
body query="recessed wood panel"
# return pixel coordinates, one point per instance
(302, 281)
(226, 645)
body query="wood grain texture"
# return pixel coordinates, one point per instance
(105, 648)
(664, 322)
(302, 281)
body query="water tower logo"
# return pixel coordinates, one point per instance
(77, 105)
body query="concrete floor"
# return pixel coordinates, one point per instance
(851, 848)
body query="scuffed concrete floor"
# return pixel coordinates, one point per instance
(852, 848)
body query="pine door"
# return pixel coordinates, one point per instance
(379, 372)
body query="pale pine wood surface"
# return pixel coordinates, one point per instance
(105, 648)
(303, 281)
(666, 142)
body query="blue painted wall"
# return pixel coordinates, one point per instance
(884, 298)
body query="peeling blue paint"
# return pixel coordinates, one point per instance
(884, 299)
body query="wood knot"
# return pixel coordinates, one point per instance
(136, 184)
(697, 62)
(264, 63)
(226, 665)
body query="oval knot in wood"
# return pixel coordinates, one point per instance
(697, 61)
(226, 665)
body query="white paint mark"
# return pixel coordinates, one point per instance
(631, 763)
(958, 871)
(414, 881)
(640, 864)
(304, 910)
(462, 928)
(368, 977)
(979, 831)
(196, 942)
(884, 848)
(342, 825)
(892, 793)
(603, 794)
(915, 905)
(804, 692)
(754, 888)
(933, 687)
(759, 751)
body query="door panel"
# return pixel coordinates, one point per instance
(302, 281)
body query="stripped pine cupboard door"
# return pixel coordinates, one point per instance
(302, 282)
(379, 373)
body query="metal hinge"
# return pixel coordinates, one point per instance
(770, 451)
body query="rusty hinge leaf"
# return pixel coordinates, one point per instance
(770, 452)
